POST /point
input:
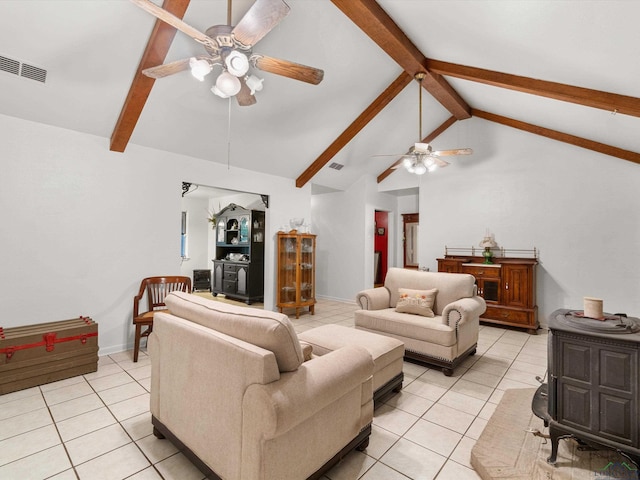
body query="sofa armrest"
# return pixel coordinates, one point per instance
(461, 311)
(374, 298)
(277, 407)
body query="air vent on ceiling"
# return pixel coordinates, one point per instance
(22, 69)
(336, 166)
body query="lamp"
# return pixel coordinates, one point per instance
(488, 242)
(237, 63)
(228, 84)
(199, 68)
(254, 83)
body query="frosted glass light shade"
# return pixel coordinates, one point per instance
(237, 63)
(219, 93)
(199, 68)
(254, 83)
(228, 84)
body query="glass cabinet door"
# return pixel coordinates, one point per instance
(288, 261)
(307, 269)
(244, 229)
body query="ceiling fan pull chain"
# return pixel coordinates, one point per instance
(229, 137)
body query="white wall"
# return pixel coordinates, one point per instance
(345, 223)
(198, 228)
(579, 208)
(81, 226)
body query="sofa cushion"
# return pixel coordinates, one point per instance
(425, 329)
(418, 302)
(269, 330)
(451, 286)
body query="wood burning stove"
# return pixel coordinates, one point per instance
(592, 390)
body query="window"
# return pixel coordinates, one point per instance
(183, 237)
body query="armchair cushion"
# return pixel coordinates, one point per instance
(269, 330)
(418, 302)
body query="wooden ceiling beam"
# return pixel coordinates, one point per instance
(154, 54)
(381, 28)
(560, 136)
(428, 139)
(352, 130)
(611, 102)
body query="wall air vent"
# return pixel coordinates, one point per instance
(22, 69)
(336, 166)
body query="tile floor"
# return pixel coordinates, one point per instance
(98, 426)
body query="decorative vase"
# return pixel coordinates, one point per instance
(487, 254)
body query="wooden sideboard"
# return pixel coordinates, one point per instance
(508, 285)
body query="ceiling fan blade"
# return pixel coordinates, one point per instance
(441, 163)
(259, 20)
(244, 96)
(175, 22)
(178, 66)
(459, 151)
(287, 69)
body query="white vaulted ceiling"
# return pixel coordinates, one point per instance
(91, 50)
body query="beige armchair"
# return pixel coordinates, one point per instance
(231, 389)
(436, 315)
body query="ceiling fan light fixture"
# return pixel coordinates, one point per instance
(237, 63)
(420, 169)
(218, 92)
(199, 68)
(254, 83)
(228, 84)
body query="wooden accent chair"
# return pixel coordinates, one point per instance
(156, 288)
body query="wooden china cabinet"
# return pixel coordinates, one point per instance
(296, 272)
(508, 285)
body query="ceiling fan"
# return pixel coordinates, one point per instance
(421, 157)
(232, 49)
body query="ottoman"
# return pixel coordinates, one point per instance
(387, 353)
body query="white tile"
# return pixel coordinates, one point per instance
(141, 372)
(472, 389)
(77, 406)
(413, 460)
(380, 471)
(462, 402)
(454, 470)
(380, 441)
(138, 426)
(18, 406)
(434, 437)
(476, 428)
(115, 465)
(103, 371)
(351, 467)
(61, 383)
(155, 449)
(462, 452)
(25, 444)
(121, 393)
(19, 395)
(110, 381)
(85, 423)
(131, 407)
(410, 403)
(94, 444)
(63, 394)
(38, 466)
(394, 420)
(449, 417)
(24, 423)
(178, 467)
(425, 389)
(146, 474)
(66, 475)
(482, 378)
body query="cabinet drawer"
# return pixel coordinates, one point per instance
(229, 286)
(231, 276)
(229, 267)
(481, 271)
(504, 315)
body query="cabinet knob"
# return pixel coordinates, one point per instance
(506, 287)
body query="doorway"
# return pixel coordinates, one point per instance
(410, 223)
(381, 247)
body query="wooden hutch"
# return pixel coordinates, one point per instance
(508, 285)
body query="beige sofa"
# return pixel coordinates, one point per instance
(444, 339)
(231, 389)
